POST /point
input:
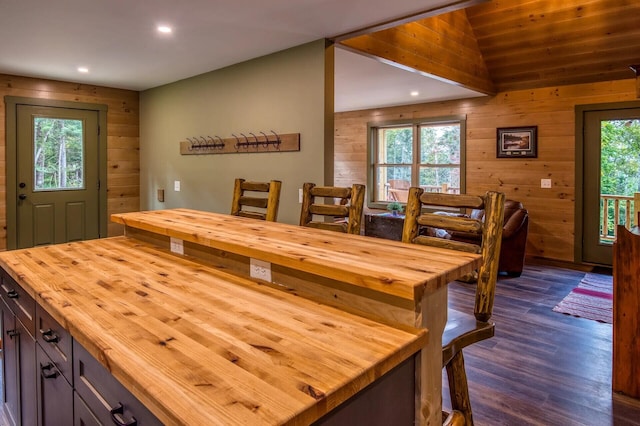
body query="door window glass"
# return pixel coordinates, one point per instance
(619, 177)
(58, 160)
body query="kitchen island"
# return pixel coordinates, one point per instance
(198, 341)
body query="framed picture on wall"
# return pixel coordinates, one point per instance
(517, 142)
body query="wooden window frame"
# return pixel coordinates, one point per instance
(416, 124)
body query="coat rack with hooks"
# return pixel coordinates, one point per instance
(242, 143)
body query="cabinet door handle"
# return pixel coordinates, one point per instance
(12, 294)
(116, 416)
(49, 336)
(12, 333)
(48, 371)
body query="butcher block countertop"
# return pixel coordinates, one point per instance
(199, 346)
(391, 268)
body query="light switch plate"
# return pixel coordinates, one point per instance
(176, 185)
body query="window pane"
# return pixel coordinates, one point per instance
(58, 160)
(395, 145)
(440, 144)
(440, 179)
(393, 183)
(427, 152)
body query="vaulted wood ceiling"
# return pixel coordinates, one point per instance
(503, 45)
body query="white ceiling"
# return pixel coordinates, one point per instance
(117, 40)
(362, 82)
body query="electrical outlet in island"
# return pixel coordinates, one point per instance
(260, 269)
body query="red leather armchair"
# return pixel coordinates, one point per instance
(514, 237)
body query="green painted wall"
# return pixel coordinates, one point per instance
(289, 92)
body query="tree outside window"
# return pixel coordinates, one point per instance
(619, 176)
(58, 154)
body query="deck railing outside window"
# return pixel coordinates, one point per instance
(400, 194)
(617, 210)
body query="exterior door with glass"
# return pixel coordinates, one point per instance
(610, 179)
(57, 175)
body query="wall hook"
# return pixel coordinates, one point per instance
(194, 145)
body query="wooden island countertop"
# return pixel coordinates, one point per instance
(199, 343)
(396, 269)
(199, 346)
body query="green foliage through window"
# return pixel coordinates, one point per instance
(620, 157)
(58, 154)
(620, 167)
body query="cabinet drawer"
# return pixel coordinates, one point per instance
(19, 301)
(55, 341)
(55, 394)
(10, 363)
(82, 416)
(108, 400)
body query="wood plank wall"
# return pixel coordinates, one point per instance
(552, 109)
(123, 172)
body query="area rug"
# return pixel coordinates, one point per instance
(591, 299)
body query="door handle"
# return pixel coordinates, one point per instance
(117, 419)
(49, 336)
(22, 196)
(48, 371)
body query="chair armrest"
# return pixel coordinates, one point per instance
(514, 223)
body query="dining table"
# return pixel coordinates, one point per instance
(208, 318)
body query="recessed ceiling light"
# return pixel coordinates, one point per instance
(83, 69)
(415, 93)
(164, 29)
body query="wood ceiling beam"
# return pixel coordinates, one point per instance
(450, 7)
(443, 47)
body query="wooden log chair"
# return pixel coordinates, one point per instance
(399, 190)
(268, 204)
(462, 329)
(348, 211)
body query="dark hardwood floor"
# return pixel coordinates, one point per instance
(542, 367)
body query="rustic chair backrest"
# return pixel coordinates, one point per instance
(350, 206)
(491, 230)
(263, 199)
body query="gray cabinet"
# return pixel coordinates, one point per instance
(10, 389)
(54, 371)
(105, 398)
(82, 415)
(19, 377)
(56, 343)
(55, 394)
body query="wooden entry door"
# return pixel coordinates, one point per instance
(57, 175)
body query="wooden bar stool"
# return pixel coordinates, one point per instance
(268, 204)
(350, 206)
(462, 329)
